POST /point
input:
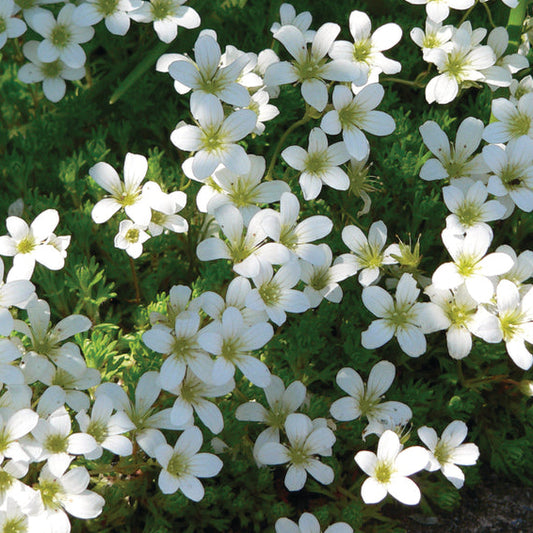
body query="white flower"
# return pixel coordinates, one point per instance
(309, 66)
(466, 199)
(28, 244)
(62, 37)
(66, 491)
(45, 341)
(264, 111)
(207, 76)
(53, 74)
(295, 236)
(143, 415)
(106, 428)
(459, 318)
(281, 402)
(438, 10)
(435, 36)
(355, 113)
(10, 26)
(389, 470)
(522, 269)
(305, 442)
(274, 293)
(368, 255)
(116, 14)
(519, 88)
(231, 341)
(130, 237)
(471, 266)
(288, 17)
(246, 250)
(191, 398)
(127, 195)
(404, 317)
(167, 15)
(453, 160)
(244, 191)
(13, 426)
(215, 139)
(515, 323)
(309, 524)
(17, 293)
(322, 280)
(56, 442)
(448, 451)
(511, 169)
(498, 40)
(183, 465)
(512, 120)
(366, 50)
(164, 207)
(366, 401)
(464, 63)
(319, 165)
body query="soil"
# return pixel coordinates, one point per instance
(494, 507)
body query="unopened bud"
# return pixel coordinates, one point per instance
(526, 387)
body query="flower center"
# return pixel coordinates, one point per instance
(231, 349)
(455, 169)
(26, 245)
(510, 324)
(277, 415)
(239, 250)
(309, 68)
(459, 315)
(5, 440)
(370, 256)
(298, 455)
(466, 265)
(383, 471)
(56, 443)
(161, 9)
(17, 524)
(317, 162)
(455, 66)
(400, 316)
(50, 490)
(362, 50)
(430, 40)
(191, 390)
(213, 85)
(64, 379)
(510, 176)
(367, 403)
(158, 218)
(349, 115)
(52, 70)
(240, 194)
(106, 7)
(3, 25)
(181, 348)
(320, 278)
(6, 480)
(60, 36)
(469, 214)
(98, 429)
(132, 235)
(442, 452)
(212, 139)
(519, 125)
(270, 293)
(178, 464)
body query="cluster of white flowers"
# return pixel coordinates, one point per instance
(280, 265)
(59, 56)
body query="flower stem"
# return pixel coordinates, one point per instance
(489, 14)
(405, 82)
(288, 131)
(135, 281)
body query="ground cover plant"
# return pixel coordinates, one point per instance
(265, 266)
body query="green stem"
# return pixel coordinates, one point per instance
(306, 118)
(405, 82)
(489, 14)
(135, 281)
(465, 16)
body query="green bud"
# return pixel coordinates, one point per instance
(526, 387)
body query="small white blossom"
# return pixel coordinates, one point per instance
(449, 451)
(309, 524)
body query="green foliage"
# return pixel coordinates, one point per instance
(125, 106)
